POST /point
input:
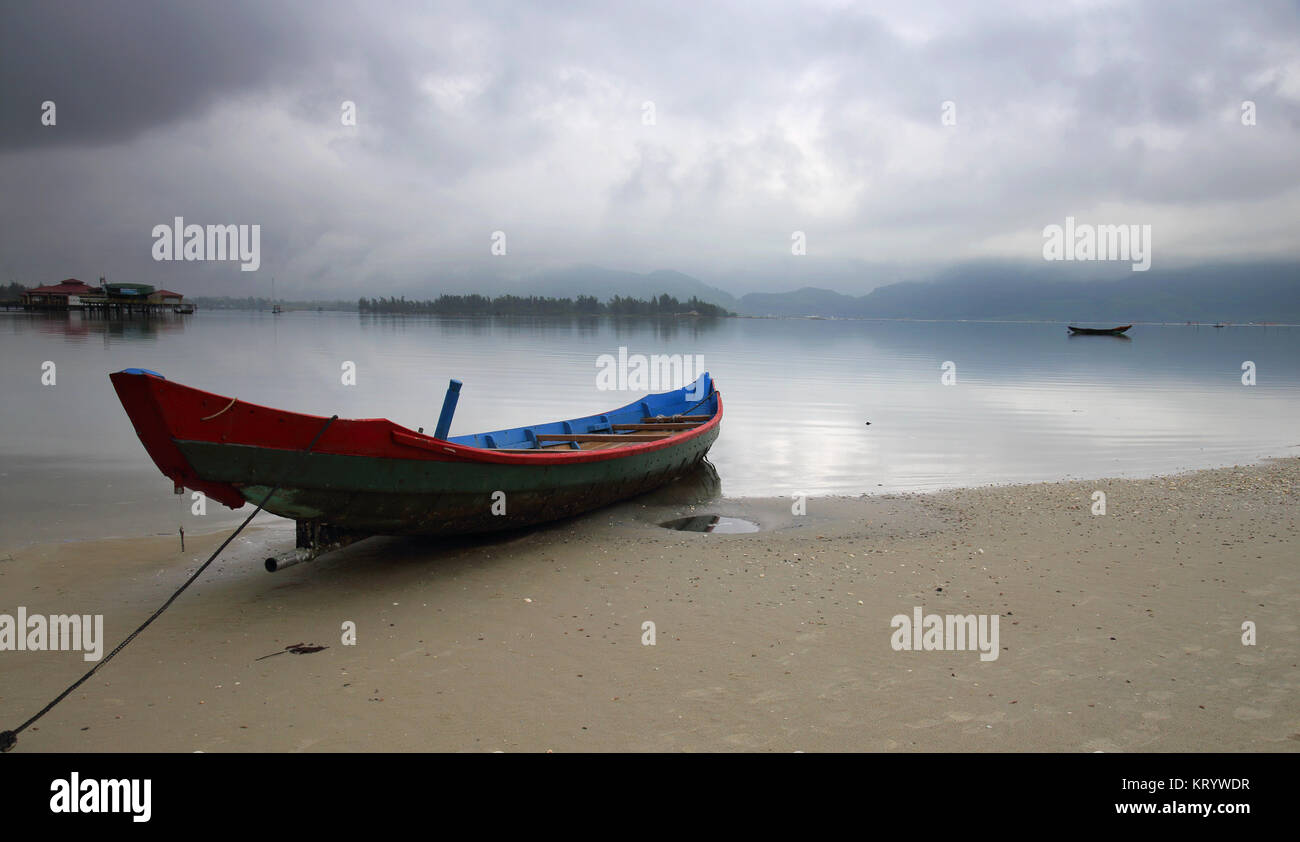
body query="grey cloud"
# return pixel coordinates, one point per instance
(770, 117)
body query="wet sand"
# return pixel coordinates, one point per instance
(1120, 632)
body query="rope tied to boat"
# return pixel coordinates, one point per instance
(688, 409)
(9, 738)
(706, 400)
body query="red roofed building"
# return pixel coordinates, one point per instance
(60, 296)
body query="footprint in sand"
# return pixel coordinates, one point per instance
(708, 693)
(962, 716)
(1251, 713)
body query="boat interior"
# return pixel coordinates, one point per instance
(651, 418)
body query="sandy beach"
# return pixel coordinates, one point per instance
(1118, 632)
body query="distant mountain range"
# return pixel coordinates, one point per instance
(1235, 292)
(1227, 292)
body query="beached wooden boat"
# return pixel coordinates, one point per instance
(372, 476)
(1092, 331)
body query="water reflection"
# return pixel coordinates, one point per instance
(1120, 336)
(699, 486)
(711, 523)
(75, 325)
(662, 328)
(692, 327)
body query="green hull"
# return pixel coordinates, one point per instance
(417, 497)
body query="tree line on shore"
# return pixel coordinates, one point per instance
(261, 303)
(531, 305)
(468, 305)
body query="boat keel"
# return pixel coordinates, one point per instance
(315, 538)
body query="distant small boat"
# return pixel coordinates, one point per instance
(1093, 331)
(276, 310)
(371, 476)
(183, 309)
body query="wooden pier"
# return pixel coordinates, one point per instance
(102, 308)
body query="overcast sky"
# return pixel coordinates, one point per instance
(531, 118)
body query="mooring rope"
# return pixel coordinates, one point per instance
(9, 738)
(706, 400)
(688, 409)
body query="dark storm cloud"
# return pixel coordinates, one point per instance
(116, 70)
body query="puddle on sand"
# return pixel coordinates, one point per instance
(711, 523)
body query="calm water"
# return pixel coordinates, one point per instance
(1029, 403)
